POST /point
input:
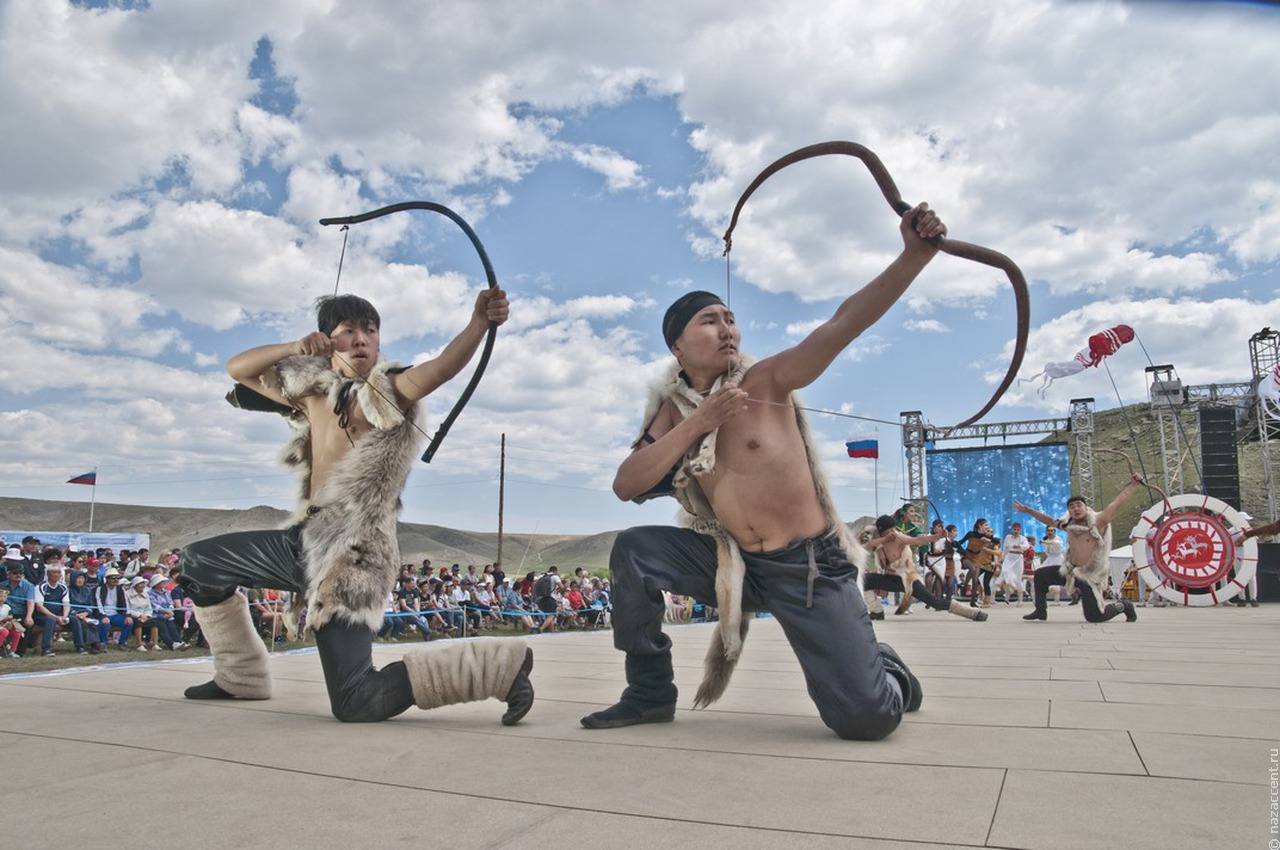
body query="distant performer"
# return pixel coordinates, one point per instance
(1087, 566)
(894, 553)
(726, 437)
(355, 438)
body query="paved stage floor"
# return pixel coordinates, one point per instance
(1157, 734)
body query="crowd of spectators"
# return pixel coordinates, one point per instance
(132, 601)
(462, 602)
(92, 600)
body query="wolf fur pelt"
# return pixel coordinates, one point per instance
(463, 671)
(349, 546)
(1097, 572)
(698, 515)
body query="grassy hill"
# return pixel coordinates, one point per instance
(170, 527)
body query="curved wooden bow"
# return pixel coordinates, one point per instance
(492, 279)
(954, 247)
(1133, 473)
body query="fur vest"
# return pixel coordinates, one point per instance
(349, 546)
(1097, 572)
(697, 514)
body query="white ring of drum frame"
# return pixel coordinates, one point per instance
(1246, 552)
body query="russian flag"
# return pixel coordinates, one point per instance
(863, 448)
(86, 478)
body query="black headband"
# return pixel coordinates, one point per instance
(685, 308)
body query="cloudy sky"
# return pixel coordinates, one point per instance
(165, 164)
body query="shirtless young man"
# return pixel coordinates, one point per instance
(1087, 561)
(895, 557)
(763, 535)
(355, 439)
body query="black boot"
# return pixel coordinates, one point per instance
(650, 696)
(1115, 609)
(520, 698)
(912, 693)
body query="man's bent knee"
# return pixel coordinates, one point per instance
(868, 726)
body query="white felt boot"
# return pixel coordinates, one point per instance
(464, 671)
(966, 611)
(239, 656)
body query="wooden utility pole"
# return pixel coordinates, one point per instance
(502, 491)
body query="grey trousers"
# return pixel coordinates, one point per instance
(358, 693)
(833, 640)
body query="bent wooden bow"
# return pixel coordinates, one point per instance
(947, 245)
(492, 278)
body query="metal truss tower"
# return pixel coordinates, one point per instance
(914, 434)
(1082, 435)
(1167, 397)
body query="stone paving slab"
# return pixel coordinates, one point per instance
(1032, 735)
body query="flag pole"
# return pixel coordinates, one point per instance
(876, 471)
(93, 498)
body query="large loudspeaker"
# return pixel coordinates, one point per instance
(1268, 572)
(1219, 458)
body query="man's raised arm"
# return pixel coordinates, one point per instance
(425, 378)
(800, 366)
(249, 366)
(1109, 512)
(1043, 517)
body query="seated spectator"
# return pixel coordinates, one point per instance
(84, 615)
(442, 602)
(482, 599)
(113, 609)
(427, 607)
(597, 602)
(271, 615)
(409, 603)
(462, 599)
(524, 587)
(392, 625)
(21, 599)
(78, 562)
(577, 604)
(183, 609)
(53, 604)
(144, 617)
(11, 630)
(162, 607)
(513, 606)
(136, 564)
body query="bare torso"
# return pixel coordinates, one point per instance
(890, 551)
(330, 442)
(761, 489)
(1081, 546)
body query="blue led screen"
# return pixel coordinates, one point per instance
(965, 484)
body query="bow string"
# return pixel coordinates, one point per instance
(492, 279)
(954, 247)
